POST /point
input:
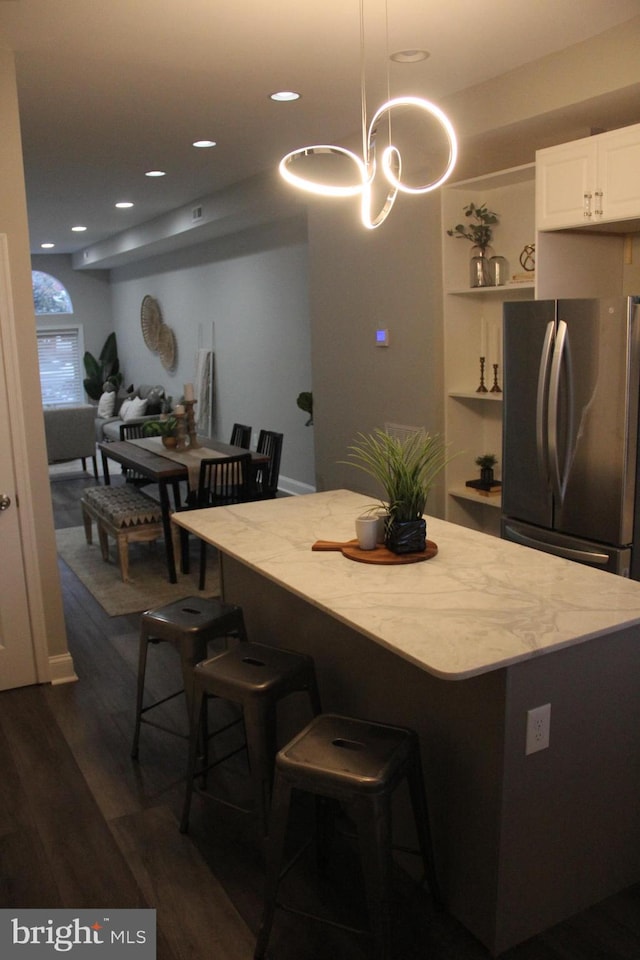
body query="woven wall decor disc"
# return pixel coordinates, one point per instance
(151, 322)
(167, 347)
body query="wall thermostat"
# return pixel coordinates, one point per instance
(382, 338)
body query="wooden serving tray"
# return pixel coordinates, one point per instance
(352, 551)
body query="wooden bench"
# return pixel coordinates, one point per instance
(126, 514)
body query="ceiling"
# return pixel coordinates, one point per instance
(110, 89)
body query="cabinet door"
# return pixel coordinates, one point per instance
(565, 184)
(618, 166)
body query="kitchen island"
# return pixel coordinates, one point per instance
(460, 647)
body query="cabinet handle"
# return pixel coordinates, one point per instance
(598, 210)
(587, 204)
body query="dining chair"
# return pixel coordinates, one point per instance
(133, 431)
(222, 481)
(241, 436)
(265, 482)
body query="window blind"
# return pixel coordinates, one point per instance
(60, 352)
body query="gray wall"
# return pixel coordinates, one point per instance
(246, 296)
(360, 280)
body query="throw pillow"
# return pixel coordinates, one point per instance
(133, 408)
(106, 405)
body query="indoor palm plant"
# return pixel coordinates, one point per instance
(406, 469)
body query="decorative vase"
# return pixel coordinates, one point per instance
(406, 536)
(486, 475)
(498, 271)
(479, 268)
(169, 442)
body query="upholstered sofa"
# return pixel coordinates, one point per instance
(133, 406)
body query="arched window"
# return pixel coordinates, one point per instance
(49, 295)
(60, 346)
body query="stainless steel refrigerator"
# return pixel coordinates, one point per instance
(570, 441)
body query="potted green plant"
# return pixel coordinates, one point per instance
(165, 427)
(479, 231)
(406, 469)
(486, 462)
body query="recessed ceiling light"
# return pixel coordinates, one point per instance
(410, 56)
(204, 143)
(155, 173)
(47, 246)
(284, 96)
(124, 204)
(78, 229)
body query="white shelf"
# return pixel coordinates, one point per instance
(486, 291)
(472, 327)
(466, 493)
(472, 395)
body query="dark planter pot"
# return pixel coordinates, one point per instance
(406, 536)
(486, 474)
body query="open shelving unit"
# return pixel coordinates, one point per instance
(473, 326)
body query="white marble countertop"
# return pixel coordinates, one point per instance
(480, 604)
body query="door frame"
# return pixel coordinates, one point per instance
(54, 669)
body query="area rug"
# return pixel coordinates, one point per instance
(148, 585)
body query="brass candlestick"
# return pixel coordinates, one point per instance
(181, 435)
(495, 388)
(191, 422)
(482, 388)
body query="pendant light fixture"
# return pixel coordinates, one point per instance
(365, 168)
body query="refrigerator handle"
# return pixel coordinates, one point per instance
(542, 446)
(561, 352)
(589, 556)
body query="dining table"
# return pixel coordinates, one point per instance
(169, 467)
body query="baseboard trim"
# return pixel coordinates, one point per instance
(61, 669)
(294, 488)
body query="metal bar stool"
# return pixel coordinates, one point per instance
(256, 677)
(358, 764)
(188, 625)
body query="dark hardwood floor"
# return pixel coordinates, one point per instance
(82, 825)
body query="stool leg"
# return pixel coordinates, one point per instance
(260, 728)
(142, 669)
(123, 556)
(421, 817)
(198, 706)
(203, 565)
(274, 851)
(373, 818)
(104, 540)
(86, 517)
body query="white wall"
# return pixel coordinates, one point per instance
(246, 296)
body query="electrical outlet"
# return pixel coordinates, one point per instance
(538, 728)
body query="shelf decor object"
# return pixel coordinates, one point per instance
(479, 231)
(482, 388)
(495, 388)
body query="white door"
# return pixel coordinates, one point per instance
(17, 657)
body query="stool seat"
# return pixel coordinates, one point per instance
(256, 677)
(188, 625)
(358, 763)
(343, 754)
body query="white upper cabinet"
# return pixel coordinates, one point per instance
(589, 181)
